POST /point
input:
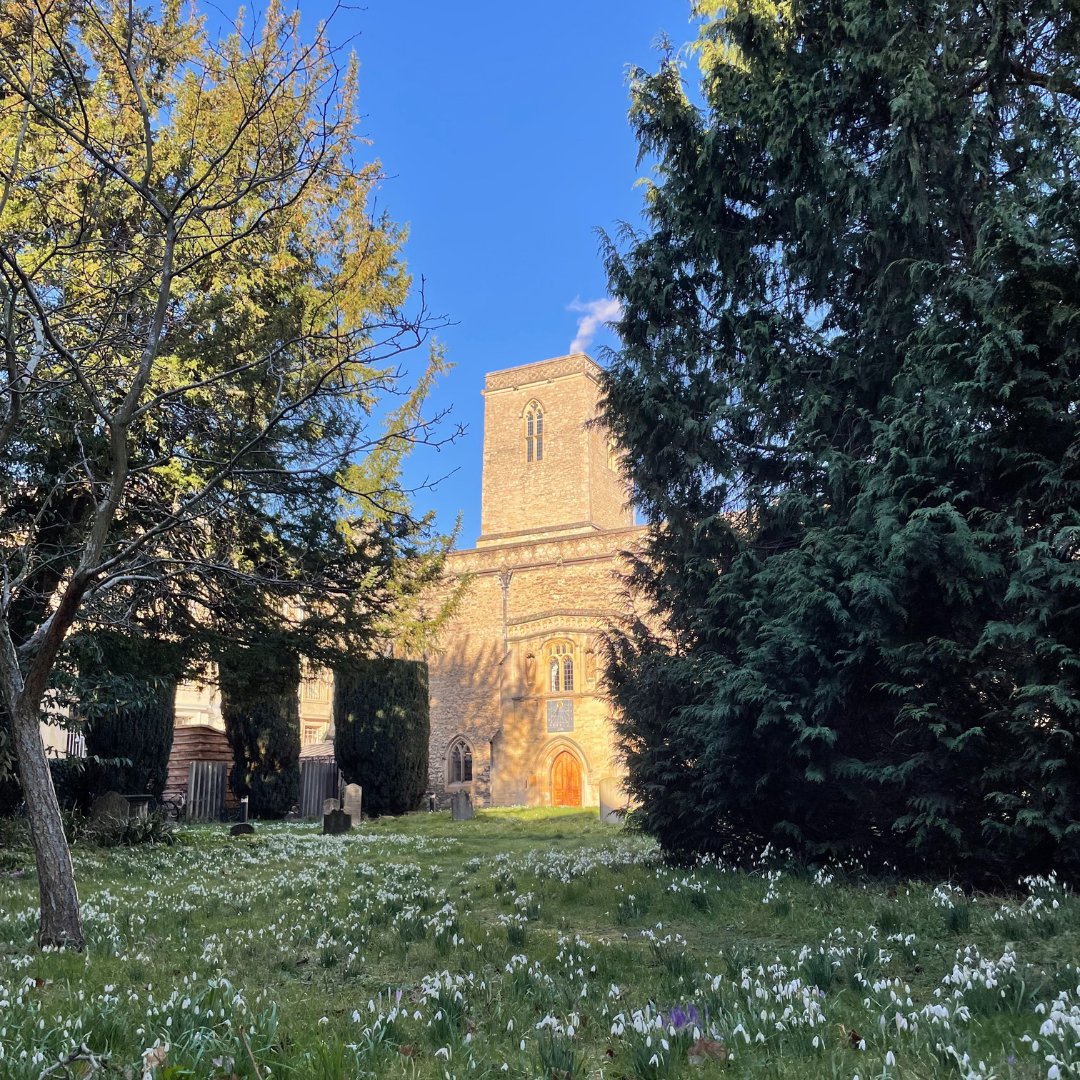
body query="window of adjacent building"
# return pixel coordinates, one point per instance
(560, 667)
(534, 432)
(459, 764)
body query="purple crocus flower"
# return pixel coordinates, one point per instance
(680, 1017)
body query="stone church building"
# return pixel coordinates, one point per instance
(517, 715)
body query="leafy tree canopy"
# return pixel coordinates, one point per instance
(203, 396)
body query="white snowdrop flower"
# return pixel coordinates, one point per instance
(890, 1059)
(510, 1024)
(521, 1046)
(324, 1019)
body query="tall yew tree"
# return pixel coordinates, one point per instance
(848, 395)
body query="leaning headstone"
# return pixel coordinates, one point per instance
(461, 808)
(350, 803)
(614, 802)
(108, 815)
(329, 806)
(242, 828)
(335, 823)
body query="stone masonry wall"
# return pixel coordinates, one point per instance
(571, 489)
(543, 574)
(490, 681)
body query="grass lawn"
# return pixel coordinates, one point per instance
(524, 944)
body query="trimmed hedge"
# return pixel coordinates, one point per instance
(10, 789)
(131, 741)
(260, 703)
(127, 693)
(381, 730)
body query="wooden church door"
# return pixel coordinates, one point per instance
(566, 780)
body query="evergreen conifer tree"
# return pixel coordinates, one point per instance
(126, 693)
(260, 704)
(848, 396)
(381, 728)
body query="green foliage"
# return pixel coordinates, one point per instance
(847, 397)
(126, 690)
(207, 385)
(260, 704)
(381, 730)
(69, 781)
(153, 828)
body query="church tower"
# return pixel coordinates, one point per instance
(547, 472)
(518, 714)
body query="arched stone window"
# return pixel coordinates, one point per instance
(560, 667)
(534, 432)
(459, 763)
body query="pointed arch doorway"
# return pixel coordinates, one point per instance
(565, 780)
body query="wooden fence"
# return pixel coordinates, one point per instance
(319, 780)
(207, 783)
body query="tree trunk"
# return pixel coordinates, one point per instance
(61, 919)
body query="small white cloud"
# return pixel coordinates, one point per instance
(594, 313)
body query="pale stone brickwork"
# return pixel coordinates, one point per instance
(542, 585)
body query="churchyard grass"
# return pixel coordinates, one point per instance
(525, 944)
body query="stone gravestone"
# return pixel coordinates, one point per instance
(614, 802)
(461, 808)
(242, 828)
(109, 814)
(329, 806)
(335, 823)
(351, 801)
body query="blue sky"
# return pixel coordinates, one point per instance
(502, 129)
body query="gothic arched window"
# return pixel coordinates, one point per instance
(561, 667)
(534, 432)
(459, 762)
